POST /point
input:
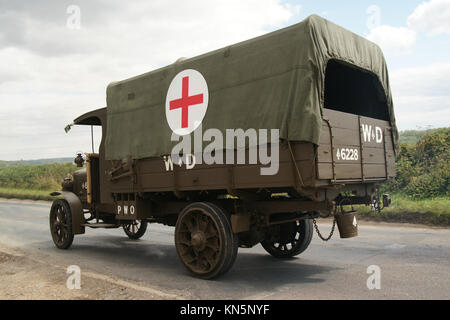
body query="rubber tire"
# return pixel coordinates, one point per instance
(139, 233)
(68, 242)
(234, 238)
(306, 232)
(230, 242)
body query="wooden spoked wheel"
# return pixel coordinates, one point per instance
(204, 240)
(61, 224)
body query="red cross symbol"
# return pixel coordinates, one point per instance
(185, 102)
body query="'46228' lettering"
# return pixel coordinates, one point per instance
(347, 154)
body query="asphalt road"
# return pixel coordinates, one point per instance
(414, 261)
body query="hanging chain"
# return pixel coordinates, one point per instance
(318, 232)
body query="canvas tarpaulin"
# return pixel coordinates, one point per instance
(275, 81)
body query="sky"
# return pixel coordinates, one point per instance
(57, 57)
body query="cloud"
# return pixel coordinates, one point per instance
(432, 17)
(394, 41)
(51, 74)
(142, 26)
(433, 79)
(421, 95)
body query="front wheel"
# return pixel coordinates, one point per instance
(288, 240)
(61, 224)
(135, 229)
(204, 240)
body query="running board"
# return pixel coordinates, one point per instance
(101, 225)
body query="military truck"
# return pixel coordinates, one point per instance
(325, 89)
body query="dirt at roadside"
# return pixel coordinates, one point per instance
(22, 277)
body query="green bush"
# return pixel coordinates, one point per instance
(424, 186)
(35, 177)
(423, 169)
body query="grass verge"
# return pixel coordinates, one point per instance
(26, 194)
(429, 212)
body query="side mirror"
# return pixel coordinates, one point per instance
(68, 127)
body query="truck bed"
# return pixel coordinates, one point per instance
(352, 149)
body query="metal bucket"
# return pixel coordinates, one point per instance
(347, 224)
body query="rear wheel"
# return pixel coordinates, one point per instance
(61, 224)
(205, 241)
(289, 239)
(135, 229)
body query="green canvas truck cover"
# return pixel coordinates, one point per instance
(275, 81)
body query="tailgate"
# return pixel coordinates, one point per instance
(354, 148)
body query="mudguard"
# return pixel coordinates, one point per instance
(76, 209)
